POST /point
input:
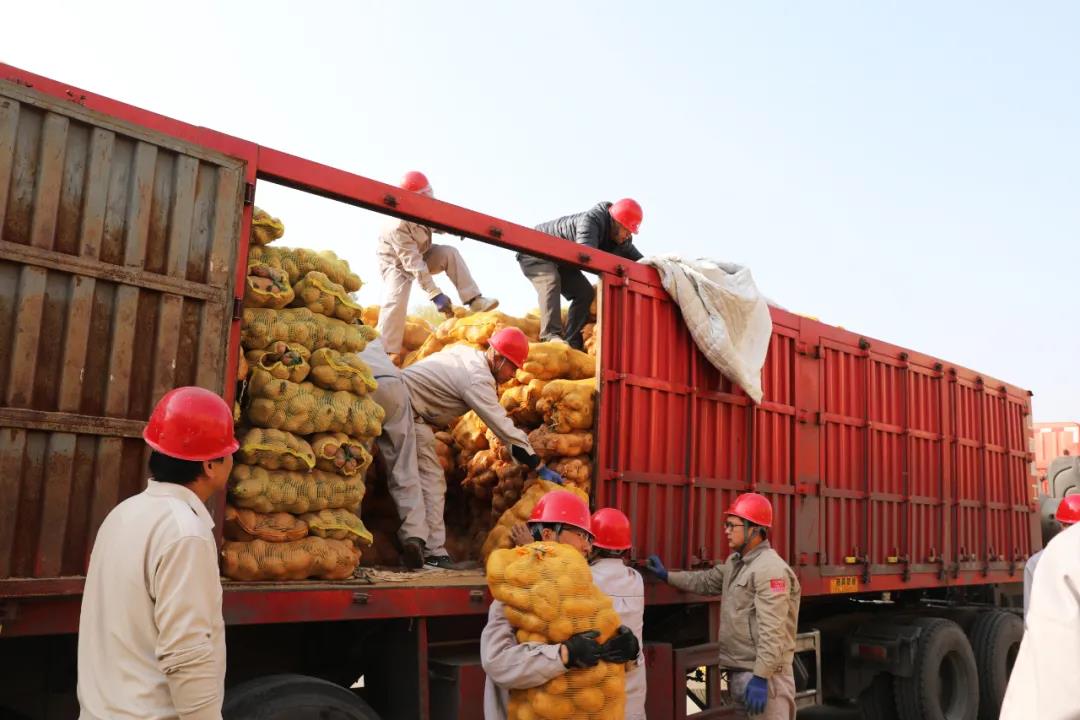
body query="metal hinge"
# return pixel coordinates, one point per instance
(249, 193)
(237, 308)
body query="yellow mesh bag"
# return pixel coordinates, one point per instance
(417, 331)
(265, 229)
(576, 471)
(470, 434)
(339, 453)
(242, 368)
(298, 262)
(284, 361)
(312, 557)
(479, 327)
(332, 370)
(520, 403)
(304, 409)
(299, 325)
(567, 405)
(554, 361)
(275, 450)
(370, 315)
(243, 525)
(267, 491)
(267, 287)
(338, 524)
(510, 485)
(430, 346)
(549, 595)
(591, 338)
(499, 537)
(444, 448)
(320, 294)
(549, 444)
(480, 476)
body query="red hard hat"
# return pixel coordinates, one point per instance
(611, 528)
(191, 423)
(1068, 512)
(752, 507)
(512, 344)
(628, 214)
(563, 507)
(416, 181)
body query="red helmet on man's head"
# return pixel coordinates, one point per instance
(564, 508)
(512, 344)
(1068, 511)
(612, 529)
(628, 214)
(752, 507)
(191, 423)
(416, 181)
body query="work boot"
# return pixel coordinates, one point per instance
(413, 553)
(439, 561)
(482, 304)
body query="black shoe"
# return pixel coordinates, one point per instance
(439, 561)
(412, 552)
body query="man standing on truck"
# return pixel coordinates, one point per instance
(759, 613)
(1068, 513)
(564, 518)
(445, 386)
(405, 254)
(605, 226)
(151, 633)
(397, 445)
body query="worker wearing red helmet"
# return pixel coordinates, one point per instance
(151, 632)
(406, 254)
(623, 584)
(759, 613)
(1067, 513)
(605, 226)
(445, 386)
(558, 517)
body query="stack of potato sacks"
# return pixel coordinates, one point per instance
(308, 420)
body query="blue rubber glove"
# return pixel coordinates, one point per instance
(757, 695)
(443, 305)
(656, 566)
(550, 475)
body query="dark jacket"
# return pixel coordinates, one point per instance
(592, 228)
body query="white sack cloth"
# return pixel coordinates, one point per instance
(727, 316)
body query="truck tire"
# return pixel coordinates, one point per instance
(294, 697)
(944, 683)
(878, 701)
(995, 639)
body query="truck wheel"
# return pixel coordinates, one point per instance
(944, 683)
(878, 701)
(294, 697)
(995, 639)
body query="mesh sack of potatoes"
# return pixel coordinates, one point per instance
(244, 525)
(268, 491)
(478, 328)
(510, 485)
(520, 402)
(470, 434)
(341, 454)
(283, 360)
(549, 596)
(575, 471)
(480, 478)
(430, 346)
(311, 557)
(567, 405)
(417, 329)
(499, 537)
(262, 326)
(550, 444)
(264, 228)
(338, 524)
(332, 370)
(275, 450)
(555, 361)
(304, 409)
(591, 338)
(320, 294)
(242, 368)
(267, 287)
(298, 262)
(445, 449)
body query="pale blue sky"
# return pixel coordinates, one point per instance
(909, 170)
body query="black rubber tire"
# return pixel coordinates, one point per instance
(944, 684)
(294, 697)
(878, 701)
(995, 640)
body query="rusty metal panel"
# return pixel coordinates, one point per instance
(116, 260)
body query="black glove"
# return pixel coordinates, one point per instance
(623, 647)
(582, 650)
